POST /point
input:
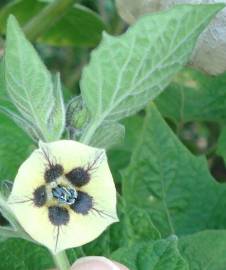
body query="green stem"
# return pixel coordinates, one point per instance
(61, 261)
(82, 253)
(46, 18)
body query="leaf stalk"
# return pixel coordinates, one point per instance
(46, 18)
(61, 261)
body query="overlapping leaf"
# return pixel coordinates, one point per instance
(126, 72)
(155, 255)
(109, 134)
(174, 187)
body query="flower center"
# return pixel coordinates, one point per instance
(64, 195)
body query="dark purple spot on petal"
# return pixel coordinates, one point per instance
(78, 177)
(52, 173)
(40, 196)
(58, 215)
(83, 203)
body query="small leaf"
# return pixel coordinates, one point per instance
(155, 255)
(30, 87)
(170, 184)
(126, 72)
(108, 135)
(204, 250)
(77, 117)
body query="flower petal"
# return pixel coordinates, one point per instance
(60, 226)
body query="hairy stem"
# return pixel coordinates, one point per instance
(61, 261)
(46, 18)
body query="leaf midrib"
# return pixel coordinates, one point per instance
(128, 93)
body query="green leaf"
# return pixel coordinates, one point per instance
(108, 135)
(77, 117)
(133, 128)
(126, 72)
(78, 27)
(4, 99)
(23, 255)
(155, 255)
(135, 226)
(140, 225)
(170, 184)
(57, 117)
(204, 250)
(27, 127)
(30, 87)
(221, 144)
(15, 146)
(14, 143)
(119, 157)
(98, 247)
(194, 96)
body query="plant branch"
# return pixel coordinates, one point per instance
(46, 18)
(61, 261)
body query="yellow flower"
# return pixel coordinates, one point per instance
(64, 195)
